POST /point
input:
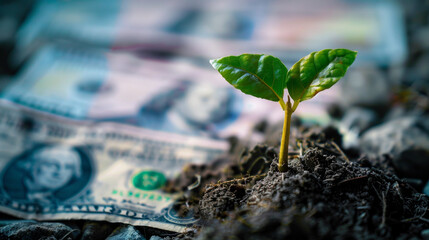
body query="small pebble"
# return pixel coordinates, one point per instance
(125, 232)
(425, 234)
(156, 238)
(36, 230)
(406, 139)
(96, 230)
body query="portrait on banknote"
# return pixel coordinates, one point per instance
(188, 108)
(47, 174)
(194, 109)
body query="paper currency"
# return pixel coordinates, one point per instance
(58, 169)
(214, 28)
(169, 96)
(164, 96)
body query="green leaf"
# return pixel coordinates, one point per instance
(318, 71)
(260, 75)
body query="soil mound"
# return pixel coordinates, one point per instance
(321, 196)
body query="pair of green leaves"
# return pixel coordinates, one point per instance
(266, 77)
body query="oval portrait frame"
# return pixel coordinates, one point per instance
(12, 176)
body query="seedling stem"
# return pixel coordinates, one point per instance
(284, 151)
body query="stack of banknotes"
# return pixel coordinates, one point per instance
(91, 128)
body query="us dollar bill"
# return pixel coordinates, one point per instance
(168, 96)
(54, 168)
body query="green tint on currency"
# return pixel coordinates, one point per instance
(149, 180)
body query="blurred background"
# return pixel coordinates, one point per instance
(140, 68)
(111, 60)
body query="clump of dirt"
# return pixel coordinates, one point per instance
(321, 196)
(219, 200)
(195, 177)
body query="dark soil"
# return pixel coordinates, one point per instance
(323, 195)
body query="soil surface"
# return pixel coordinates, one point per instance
(323, 195)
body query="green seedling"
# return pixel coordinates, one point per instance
(266, 77)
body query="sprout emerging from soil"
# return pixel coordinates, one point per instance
(266, 77)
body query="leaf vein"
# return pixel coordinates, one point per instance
(257, 77)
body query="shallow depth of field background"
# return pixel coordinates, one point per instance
(390, 36)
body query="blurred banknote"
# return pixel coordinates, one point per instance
(165, 96)
(55, 168)
(213, 28)
(169, 96)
